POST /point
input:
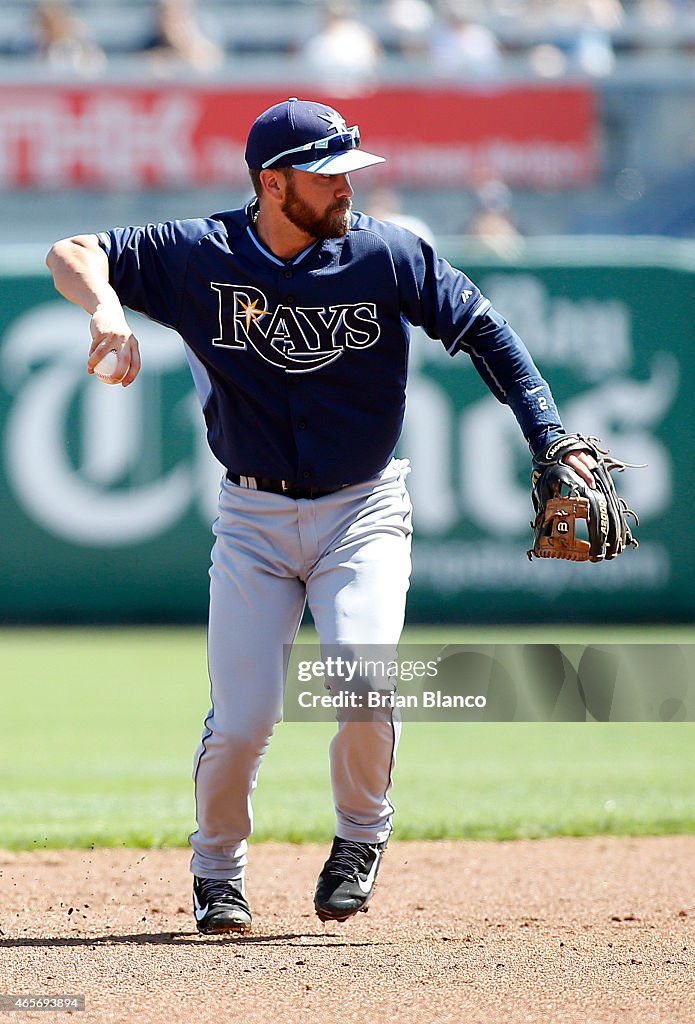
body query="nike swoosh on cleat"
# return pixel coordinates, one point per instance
(369, 881)
(199, 911)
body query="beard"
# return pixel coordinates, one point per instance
(332, 223)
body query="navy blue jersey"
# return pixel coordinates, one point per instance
(301, 364)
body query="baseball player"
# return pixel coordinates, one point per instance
(294, 315)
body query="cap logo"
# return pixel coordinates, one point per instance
(336, 122)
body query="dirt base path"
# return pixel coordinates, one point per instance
(569, 931)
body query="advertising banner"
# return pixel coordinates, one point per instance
(167, 136)
(107, 495)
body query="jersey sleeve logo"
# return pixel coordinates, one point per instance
(298, 339)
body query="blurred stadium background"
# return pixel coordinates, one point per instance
(549, 150)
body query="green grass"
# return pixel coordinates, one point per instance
(98, 729)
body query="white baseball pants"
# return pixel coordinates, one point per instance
(348, 555)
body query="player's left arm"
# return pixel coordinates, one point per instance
(451, 307)
(505, 364)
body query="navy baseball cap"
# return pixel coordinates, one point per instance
(307, 135)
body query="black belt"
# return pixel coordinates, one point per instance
(294, 491)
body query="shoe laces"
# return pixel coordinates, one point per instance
(348, 858)
(221, 890)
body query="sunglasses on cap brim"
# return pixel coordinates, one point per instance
(336, 143)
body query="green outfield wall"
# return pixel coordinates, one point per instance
(107, 495)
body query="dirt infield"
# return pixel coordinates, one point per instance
(569, 931)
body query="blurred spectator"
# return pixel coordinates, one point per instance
(462, 48)
(61, 40)
(493, 223)
(177, 39)
(547, 60)
(579, 33)
(410, 24)
(345, 55)
(605, 14)
(658, 12)
(385, 204)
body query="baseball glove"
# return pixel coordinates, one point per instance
(561, 500)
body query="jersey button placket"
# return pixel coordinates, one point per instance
(300, 422)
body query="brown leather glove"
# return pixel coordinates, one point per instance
(575, 521)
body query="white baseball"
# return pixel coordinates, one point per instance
(106, 367)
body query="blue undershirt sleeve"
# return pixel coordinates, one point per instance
(451, 307)
(506, 366)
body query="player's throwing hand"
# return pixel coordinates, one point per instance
(111, 333)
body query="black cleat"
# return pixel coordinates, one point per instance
(346, 882)
(220, 906)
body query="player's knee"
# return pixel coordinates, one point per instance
(250, 734)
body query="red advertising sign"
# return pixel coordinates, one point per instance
(167, 136)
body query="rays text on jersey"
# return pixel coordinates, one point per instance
(298, 339)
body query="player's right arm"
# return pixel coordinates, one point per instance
(80, 269)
